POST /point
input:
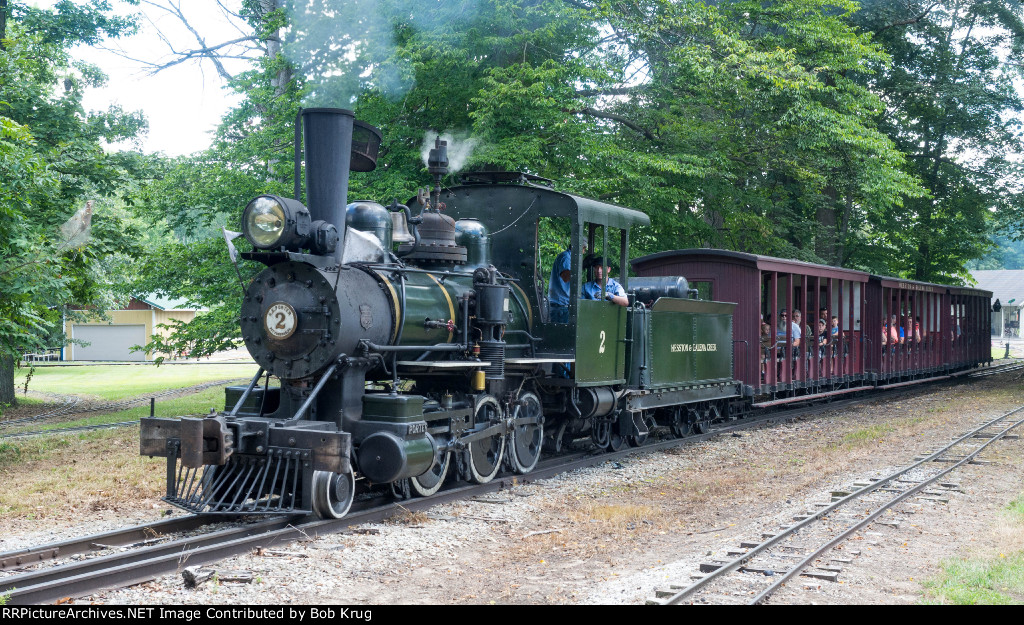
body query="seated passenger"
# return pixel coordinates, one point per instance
(805, 329)
(896, 335)
(794, 329)
(613, 291)
(767, 341)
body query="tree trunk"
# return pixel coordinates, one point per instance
(825, 239)
(6, 381)
(273, 43)
(844, 230)
(4, 10)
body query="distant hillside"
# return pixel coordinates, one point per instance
(1006, 255)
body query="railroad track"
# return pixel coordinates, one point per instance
(66, 405)
(146, 533)
(153, 555)
(760, 568)
(996, 369)
(81, 428)
(71, 400)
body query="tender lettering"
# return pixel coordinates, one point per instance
(694, 347)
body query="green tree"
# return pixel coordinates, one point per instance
(736, 125)
(434, 58)
(953, 108)
(740, 124)
(51, 161)
(191, 198)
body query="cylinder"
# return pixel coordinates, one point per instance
(595, 401)
(385, 457)
(328, 152)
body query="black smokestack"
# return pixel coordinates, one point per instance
(328, 151)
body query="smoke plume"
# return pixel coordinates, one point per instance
(343, 47)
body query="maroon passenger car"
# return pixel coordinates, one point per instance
(855, 331)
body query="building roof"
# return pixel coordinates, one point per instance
(165, 303)
(1007, 285)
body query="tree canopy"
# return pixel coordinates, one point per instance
(54, 249)
(875, 135)
(954, 105)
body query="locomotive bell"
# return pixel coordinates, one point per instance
(400, 229)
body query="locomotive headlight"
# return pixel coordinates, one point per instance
(271, 222)
(263, 221)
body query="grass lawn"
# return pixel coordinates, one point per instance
(193, 404)
(82, 473)
(995, 580)
(114, 382)
(38, 470)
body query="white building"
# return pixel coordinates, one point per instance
(1007, 286)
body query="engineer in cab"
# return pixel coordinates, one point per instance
(613, 291)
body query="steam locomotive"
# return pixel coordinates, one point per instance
(416, 341)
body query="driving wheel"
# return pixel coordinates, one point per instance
(430, 482)
(485, 454)
(526, 439)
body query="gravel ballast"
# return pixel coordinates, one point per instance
(614, 533)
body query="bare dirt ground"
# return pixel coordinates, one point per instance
(612, 534)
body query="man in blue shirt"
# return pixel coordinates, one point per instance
(558, 287)
(794, 329)
(613, 291)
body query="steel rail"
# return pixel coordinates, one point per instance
(73, 579)
(800, 566)
(116, 538)
(1012, 366)
(144, 564)
(69, 402)
(814, 518)
(83, 428)
(81, 578)
(73, 400)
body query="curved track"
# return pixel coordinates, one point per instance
(756, 570)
